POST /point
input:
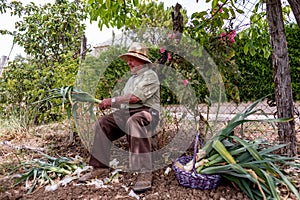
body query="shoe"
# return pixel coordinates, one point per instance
(143, 183)
(97, 172)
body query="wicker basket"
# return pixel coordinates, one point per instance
(193, 179)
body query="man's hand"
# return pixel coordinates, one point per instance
(105, 104)
(127, 99)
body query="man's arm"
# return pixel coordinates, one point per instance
(107, 103)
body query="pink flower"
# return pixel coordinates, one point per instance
(220, 7)
(233, 33)
(120, 81)
(185, 82)
(161, 50)
(169, 57)
(231, 36)
(223, 34)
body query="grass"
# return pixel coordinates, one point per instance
(13, 124)
(6, 167)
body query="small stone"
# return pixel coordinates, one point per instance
(216, 195)
(240, 196)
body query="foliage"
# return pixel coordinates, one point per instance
(51, 36)
(258, 37)
(179, 79)
(131, 14)
(214, 29)
(99, 75)
(48, 32)
(254, 70)
(257, 70)
(151, 15)
(112, 13)
(70, 97)
(42, 171)
(293, 37)
(16, 122)
(23, 83)
(253, 166)
(208, 29)
(152, 24)
(257, 33)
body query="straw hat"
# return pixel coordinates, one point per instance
(137, 50)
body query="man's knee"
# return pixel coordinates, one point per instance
(100, 125)
(142, 119)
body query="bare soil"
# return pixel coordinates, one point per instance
(54, 140)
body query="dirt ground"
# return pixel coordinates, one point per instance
(54, 140)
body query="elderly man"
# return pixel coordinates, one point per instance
(138, 114)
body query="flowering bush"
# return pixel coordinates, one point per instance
(228, 36)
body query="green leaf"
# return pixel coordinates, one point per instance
(286, 181)
(246, 48)
(48, 178)
(199, 14)
(246, 188)
(232, 12)
(254, 153)
(267, 53)
(239, 183)
(271, 185)
(135, 2)
(23, 178)
(240, 11)
(252, 51)
(214, 4)
(250, 149)
(32, 186)
(215, 169)
(220, 148)
(271, 149)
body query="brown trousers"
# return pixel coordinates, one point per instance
(136, 123)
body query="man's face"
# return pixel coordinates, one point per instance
(134, 63)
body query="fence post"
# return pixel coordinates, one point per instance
(2, 64)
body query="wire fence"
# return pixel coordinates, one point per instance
(218, 116)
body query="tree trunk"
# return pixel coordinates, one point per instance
(177, 19)
(83, 48)
(295, 5)
(282, 77)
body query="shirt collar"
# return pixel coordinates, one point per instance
(140, 71)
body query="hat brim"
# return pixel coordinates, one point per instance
(125, 57)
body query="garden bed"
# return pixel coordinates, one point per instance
(54, 140)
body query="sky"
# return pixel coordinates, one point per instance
(93, 34)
